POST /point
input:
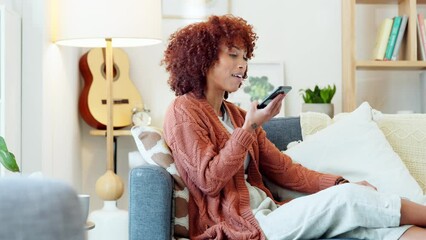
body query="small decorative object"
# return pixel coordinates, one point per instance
(141, 117)
(7, 159)
(84, 200)
(258, 88)
(319, 99)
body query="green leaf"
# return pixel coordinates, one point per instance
(3, 144)
(7, 159)
(325, 95)
(319, 95)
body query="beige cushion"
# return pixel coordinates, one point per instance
(407, 135)
(312, 122)
(154, 150)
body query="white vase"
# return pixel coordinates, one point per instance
(110, 222)
(327, 108)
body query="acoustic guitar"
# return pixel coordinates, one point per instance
(93, 103)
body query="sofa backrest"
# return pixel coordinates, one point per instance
(283, 130)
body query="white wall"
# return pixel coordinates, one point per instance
(50, 128)
(10, 82)
(304, 35)
(32, 111)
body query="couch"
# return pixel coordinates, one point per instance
(393, 147)
(151, 207)
(39, 209)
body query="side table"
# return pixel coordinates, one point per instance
(89, 226)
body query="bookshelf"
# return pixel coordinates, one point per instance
(351, 64)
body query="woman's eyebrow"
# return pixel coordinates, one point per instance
(239, 49)
(233, 46)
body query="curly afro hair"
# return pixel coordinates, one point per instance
(193, 49)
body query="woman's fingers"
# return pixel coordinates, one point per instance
(256, 117)
(274, 107)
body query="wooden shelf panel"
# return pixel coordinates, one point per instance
(380, 1)
(125, 132)
(386, 1)
(391, 65)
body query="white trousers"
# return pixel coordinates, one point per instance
(346, 211)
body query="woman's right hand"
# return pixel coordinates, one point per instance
(256, 117)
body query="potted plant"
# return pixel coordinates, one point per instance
(7, 159)
(319, 99)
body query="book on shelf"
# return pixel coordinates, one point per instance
(424, 38)
(382, 39)
(423, 92)
(399, 38)
(392, 37)
(421, 35)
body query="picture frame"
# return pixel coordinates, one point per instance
(194, 9)
(262, 79)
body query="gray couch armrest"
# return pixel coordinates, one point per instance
(150, 206)
(39, 209)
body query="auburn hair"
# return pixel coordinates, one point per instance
(193, 49)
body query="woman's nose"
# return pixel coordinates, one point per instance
(242, 64)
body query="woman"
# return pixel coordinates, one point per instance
(222, 154)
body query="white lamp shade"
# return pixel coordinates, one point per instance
(87, 23)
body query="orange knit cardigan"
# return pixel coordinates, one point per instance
(210, 161)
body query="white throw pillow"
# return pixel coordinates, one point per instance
(355, 148)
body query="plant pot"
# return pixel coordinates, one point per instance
(327, 108)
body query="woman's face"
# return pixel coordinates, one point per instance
(227, 74)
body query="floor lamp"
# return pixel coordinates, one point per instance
(107, 24)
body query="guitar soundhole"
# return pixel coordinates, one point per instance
(115, 72)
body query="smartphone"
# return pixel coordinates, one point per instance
(270, 97)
